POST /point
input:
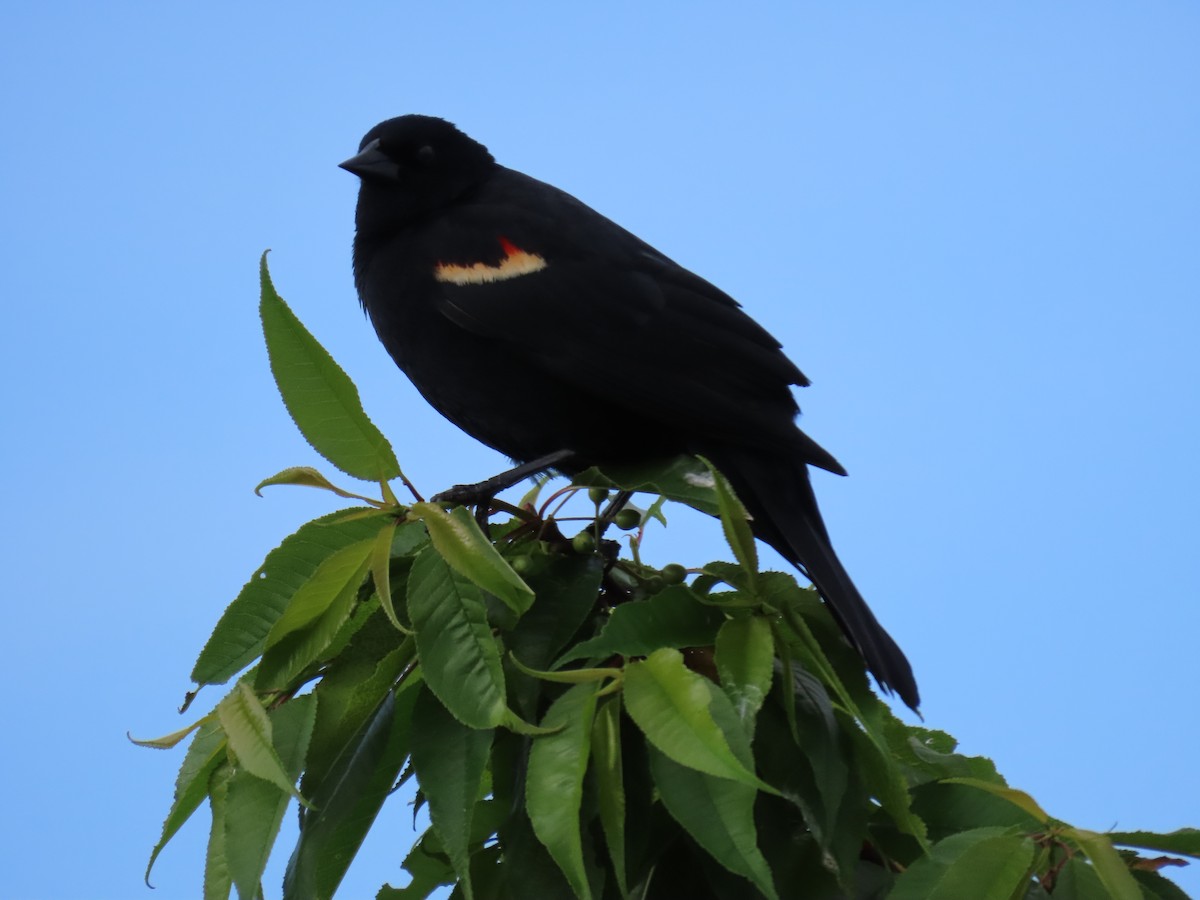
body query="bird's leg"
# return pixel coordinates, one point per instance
(481, 493)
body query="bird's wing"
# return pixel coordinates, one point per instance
(601, 310)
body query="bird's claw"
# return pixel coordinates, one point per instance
(476, 495)
(464, 495)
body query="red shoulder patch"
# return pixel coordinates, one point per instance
(516, 262)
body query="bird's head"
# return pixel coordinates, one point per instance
(411, 166)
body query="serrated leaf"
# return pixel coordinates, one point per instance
(735, 522)
(608, 769)
(1113, 873)
(717, 813)
(674, 618)
(167, 741)
(1155, 887)
(350, 693)
(930, 755)
(218, 884)
(745, 657)
(241, 633)
(248, 728)
(464, 546)
(1185, 841)
(813, 775)
(554, 783)
(320, 397)
(459, 657)
(308, 628)
(427, 867)
(685, 480)
(566, 588)
(381, 565)
(568, 676)
(449, 759)
(307, 476)
(670, 704)
(254, 808)
(950, 808)
(983, 864)
(342, 571)
(204, 754)
(1012, 795)
(348, 799)
(882, 776)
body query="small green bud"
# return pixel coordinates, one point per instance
(584, 543)
(597, 495)
(521, 564)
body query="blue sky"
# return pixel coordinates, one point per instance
(975, 227)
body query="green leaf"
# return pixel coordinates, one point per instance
(882, 776)
(218, 883)
(314, 618)
(610, 785)
(351, 692)
(428, 868)
(929, 755)
(249, 731)
(569, 676)
(307, 476)
(320, 397)
(566, 588)
(1113, 873)
(735, 522)
(1076, 880)
(950, 808)
(381, 564)
(983, 864)
(205, 753)
(464, 546)
(718, 814)
(745, 656)
(241, 633)
(812, 773)
(1012, 795)
(1185, 841)
(459, 657)
(1155, 887)
(342, 571)
(674, 617)
(670, 704)
(254, 808)
(685, 480)
(348, 799)
(167, 741)
(554, 784)
(449, 759)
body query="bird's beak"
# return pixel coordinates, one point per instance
(371, 162)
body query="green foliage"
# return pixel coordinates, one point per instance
(580, 724)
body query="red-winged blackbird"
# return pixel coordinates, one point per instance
(552, 334)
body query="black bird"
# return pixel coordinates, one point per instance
(555, 336)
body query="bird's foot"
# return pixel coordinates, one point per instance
(478, 495)
(466, 494)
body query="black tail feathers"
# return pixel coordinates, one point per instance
(778, 495)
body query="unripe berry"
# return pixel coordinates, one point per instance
(674, 573)
(628, 519)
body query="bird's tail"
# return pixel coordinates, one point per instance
(777, 493)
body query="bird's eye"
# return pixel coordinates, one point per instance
(425, 155)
